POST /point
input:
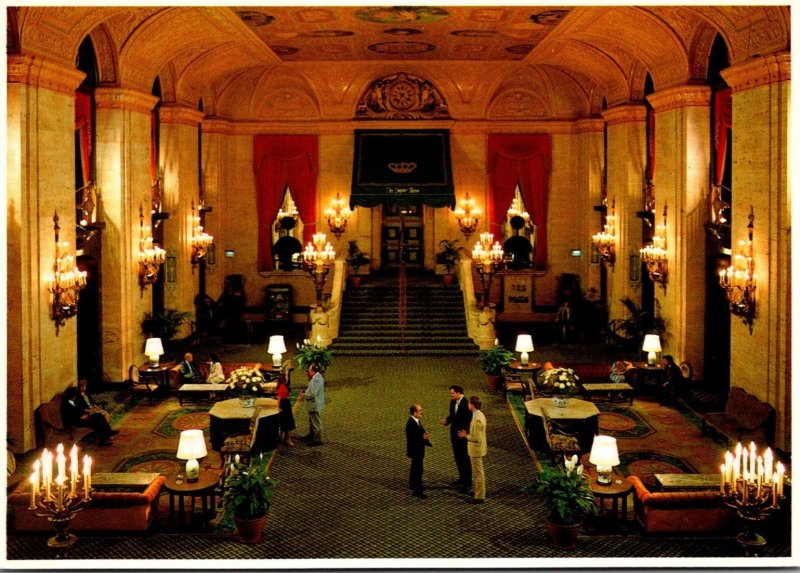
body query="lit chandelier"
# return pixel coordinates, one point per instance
(338, 214)
(291, 211)
(655, 254)
(66, 282)
(467, 215)
(606, 240)
(317, 259)
(201, 241)
(151, 256)
(739, 279)
(488, 259)
(517, 209)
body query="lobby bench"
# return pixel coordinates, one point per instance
(52, 428)
(745, 418)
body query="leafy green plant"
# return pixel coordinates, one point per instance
(309, 353)
(164, 324)
(630, 331)
(248, 491)
(448, 254)
(493, 359)
(356, 258)
(568, 497)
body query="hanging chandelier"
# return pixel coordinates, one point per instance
(66, 282)
(605, 241)
(467, 215)
(655, 254)
(151, 256)
(337, 215)
(201, 241)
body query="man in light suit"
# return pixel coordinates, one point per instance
(476, 447)
(459, 419)
(416, 441)
(315, 402)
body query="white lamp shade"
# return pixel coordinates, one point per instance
(524, 343)
(276, 345)
(652, 343)
(153, 348)
(604, 452)
(192, 445)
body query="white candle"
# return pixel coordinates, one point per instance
(768, 466)
(752, 458)
(33, 479)
(744, 462)
(722, 472)
(36, 466)
(60, 483)
(73, 469)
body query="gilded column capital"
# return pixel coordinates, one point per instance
(626, 113)
(178, 114)
(120, 98)
(217, 125)
(763, 71)
(589, 125)
(680, 97)
(38, 72)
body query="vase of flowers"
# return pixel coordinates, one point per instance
(562, 383)
(245, 383)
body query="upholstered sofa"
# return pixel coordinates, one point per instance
(51, 424)
(745, 419)
(202, 368)
(679, 512)
(107, 511)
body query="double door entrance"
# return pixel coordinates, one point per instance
(402, 237)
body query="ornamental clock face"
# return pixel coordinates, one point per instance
(402, 95)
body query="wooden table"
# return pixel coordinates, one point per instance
(229, 418)
(123, 481)
(646, 375)
(582, 412)
(204, 488)
(622, 390)
(531, 367)
(201, 391)
(678, 482)
(159, 374)
(617, 491)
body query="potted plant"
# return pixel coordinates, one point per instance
(356, 259)
(568, 499)
(629, 332)
(164, 325)
(309, 353)
(448, 256)
(492, 361)
(561, 383)
(248, 495)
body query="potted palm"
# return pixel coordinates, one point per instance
(248, 495)
(568, 499)
(313, 353)
(492, 361)
(356, 260)
(447, 257)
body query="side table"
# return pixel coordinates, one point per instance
(159, 374)
(204, 488)
(617, 491)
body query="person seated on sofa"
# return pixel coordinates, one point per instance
(189, 372)
(618, 370)
(216, 375)
(78, 409)
(672, 385)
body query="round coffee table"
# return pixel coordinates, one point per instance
(204, 488)
(618, 494)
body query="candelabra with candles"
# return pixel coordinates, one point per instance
(66, 282)
(291, 211)
(58, 498)
(655, 255)
(750, 485)
(517, 209)
(151, 256)
(201, 241)
(467, 216)
(317, 258)
(605, 241)
(337, 215)
(739, 279)
(488, 258)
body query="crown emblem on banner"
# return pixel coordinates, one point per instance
(402, 167)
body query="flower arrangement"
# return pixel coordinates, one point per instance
(561, 381)
(313, 353)
(246, 381)
(568, 497)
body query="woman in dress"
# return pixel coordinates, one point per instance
(215, 373)
(285, 410)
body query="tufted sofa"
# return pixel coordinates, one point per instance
(681, 511)
(745, 418)
(108, 511)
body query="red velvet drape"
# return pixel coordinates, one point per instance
(523, 159)
(83, 125)
(723, 120)
(278, 161)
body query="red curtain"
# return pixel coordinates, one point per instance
(524, 160)
(723, 120)
(83, 125)
(278, 161)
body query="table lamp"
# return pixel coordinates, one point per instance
(524, 345)
(276, 347)
(191, 446)
(153, 349)
(652, 344)
(604, 455)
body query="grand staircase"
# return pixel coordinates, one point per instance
(433, 315)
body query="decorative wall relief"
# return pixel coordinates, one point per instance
(402, 96)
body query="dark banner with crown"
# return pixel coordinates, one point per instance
(402, 167)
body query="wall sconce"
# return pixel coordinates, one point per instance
(467, 216)
(151, 256)
(488, 260)
(337, 214)
(201, 240)
(655, 254)
(605, 241)
(739, 279)
(66, 282)
(317, 259)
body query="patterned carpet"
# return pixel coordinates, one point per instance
(349, 498)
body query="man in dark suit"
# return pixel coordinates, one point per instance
(78, 409)
(459, 419)
(189, 372)
(416, 441)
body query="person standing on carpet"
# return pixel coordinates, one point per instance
(285, 414)
(476, 447)
(417, 440)
(459, 419)
(672, 385)
(315, 402)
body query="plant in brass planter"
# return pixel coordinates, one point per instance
(247, 496)
(356, 259)
(448, 256)
(492, 361)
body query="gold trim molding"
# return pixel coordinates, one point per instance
(179, 114)
(626, 113)
(37, 72)
(119, 98)
(764, 71)
(680, 97)
(218, 126)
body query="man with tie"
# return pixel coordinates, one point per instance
(189, 373)
(459, 419)
(416, 441)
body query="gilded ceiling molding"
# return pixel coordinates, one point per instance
(626, 113)
(37, 72)
(589, 125)
(120, 98)
(218, 126)
(518, 103)
(680, 97)
(179, 114)
(763, 71)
